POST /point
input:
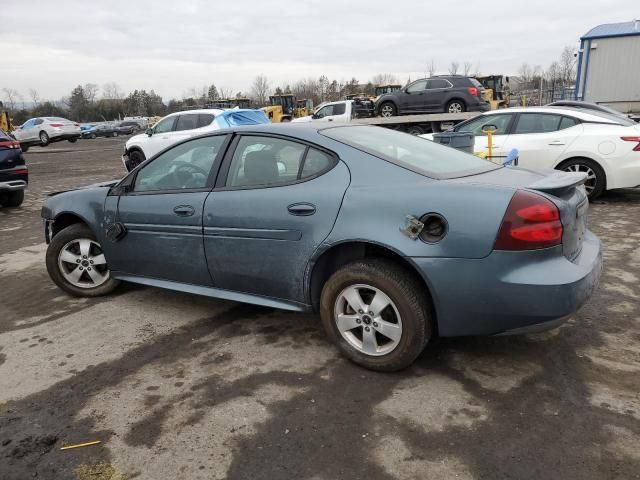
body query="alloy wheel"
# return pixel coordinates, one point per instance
(592, 179)
(386, 111)
(455, 108)
(82, 263)
(368, 319)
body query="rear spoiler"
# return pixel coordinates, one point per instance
(557, 182)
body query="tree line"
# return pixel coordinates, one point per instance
(90, 102)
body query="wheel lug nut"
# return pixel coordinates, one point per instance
(84, 256)
(360, 312)
(88, 268)
(358, 321)
(78, 260)
(91, 262)
(375, 324)
(81, 268)
(367, 328)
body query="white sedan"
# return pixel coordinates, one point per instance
(44, 130)
(605, 147)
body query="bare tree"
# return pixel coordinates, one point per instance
(90, 92)
(111, 91)
(453, 68)
(567, 65)
(11, 96)
(466, 68)
(225, 92)
(431, 67)
(35, 96)
(260, 89)
(384, 79)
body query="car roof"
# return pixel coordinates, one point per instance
(214, 111)
(569, 111)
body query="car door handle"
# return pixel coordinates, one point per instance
(184, 210)
(302, 209)
(556, 143)
(330, 120)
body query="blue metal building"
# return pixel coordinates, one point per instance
(609, 66)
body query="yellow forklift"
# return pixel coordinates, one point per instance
(284, 108)
(497, 92)
(5, 120)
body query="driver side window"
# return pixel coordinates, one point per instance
(164, 125)
(186, 166)
(418, 86)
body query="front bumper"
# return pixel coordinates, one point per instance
(511, 292)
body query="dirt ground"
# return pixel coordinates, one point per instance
(177, 386)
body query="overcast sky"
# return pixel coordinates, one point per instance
(170, 45)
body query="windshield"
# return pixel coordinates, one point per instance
(409, 151)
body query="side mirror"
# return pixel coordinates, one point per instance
(149, 131)
(315, 116)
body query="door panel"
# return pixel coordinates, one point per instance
(259, 240)
(541, 149)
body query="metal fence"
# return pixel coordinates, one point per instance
(542, 96)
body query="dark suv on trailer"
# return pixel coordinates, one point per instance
(443, 93)
(13, 172)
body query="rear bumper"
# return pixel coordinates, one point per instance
(624, 172)
(10, 185)
(511, 292)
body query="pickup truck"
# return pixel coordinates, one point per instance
(362, 112)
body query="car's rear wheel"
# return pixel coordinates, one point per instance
(76, 263)
(136, 157)
(72, 140)
(377, 314)
(93, 135)
(115, 134)
(12, 199)
(388, 109)
(44, 138)
(456, 106)
(24, 148)
(596, 179)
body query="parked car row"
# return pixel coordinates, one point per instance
(109, 130)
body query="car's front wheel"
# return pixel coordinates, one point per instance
(388, 109)
(76, 263)
(136, 157)
(72, 140)
(115, 134)
(377, 314)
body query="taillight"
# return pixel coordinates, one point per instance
(473, 91)
(56, 125)
(530, 222)
(20, 171)
(633, 139)
(10, 144)
(76, 125)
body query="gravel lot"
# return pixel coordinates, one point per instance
(179, 386)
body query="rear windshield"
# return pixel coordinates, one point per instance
(411, 152)
(619, 118)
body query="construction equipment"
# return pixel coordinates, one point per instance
(384, 89)
(496, 90)
(284, 108)
(5, 120)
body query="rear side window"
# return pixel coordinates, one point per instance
(205, 119)
(475, 83)
(567, 122)
(438, 83)
(537, 123)
(187, 121)
(408, 151)
(266, 161)
(339, 108)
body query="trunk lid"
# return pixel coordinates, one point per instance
(564, 189)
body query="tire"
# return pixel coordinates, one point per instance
(69, 240)
(72, 140)
(24, 148)
(415, 130)
(136, 157)
(388, 109)
(409, 306)
(596, 178)
(44, 138)
(455, 106)
(92, 136)
(12, 199)
(115, 134)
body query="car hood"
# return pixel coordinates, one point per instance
(108, 184)
(136, 138)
